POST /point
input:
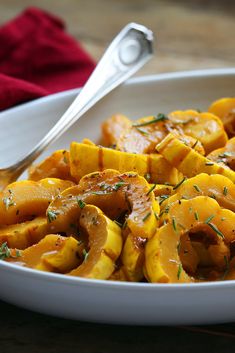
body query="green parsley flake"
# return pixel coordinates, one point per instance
(179, 271)
(81, 203)
(225, 191)
(209, 219)
(216, 230)
(196, 187)
(180, 183)
(146, 216)
(151, 189)
(160, 117)
(174, 224)
(196, 216)
(51, 216)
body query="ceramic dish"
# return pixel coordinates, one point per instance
(107, 301)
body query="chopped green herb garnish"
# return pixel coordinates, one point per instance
(209, 219)
(180, 183)
(225, 154)
(8, 202)
(146, 216)
(179, 246)
(142, 131)
(196, 216)
(51, 216)
(160, 117)
(174, 224)
(118, 223)
(194, 145)
(5, 252)
(215, 229)
(156, 216)
(147, 176)
(117, 186)
(81, 203)
(225, 191)
(163, 198)
(196, 187)
(151, 189)
(85, 254)
(179, 271)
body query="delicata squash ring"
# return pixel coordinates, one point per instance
(216, 186)
(113, 193)
(201, 214)
(105, 244)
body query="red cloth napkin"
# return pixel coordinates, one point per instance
(38, 58)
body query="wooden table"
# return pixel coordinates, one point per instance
(190, 35)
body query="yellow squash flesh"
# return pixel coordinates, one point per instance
(225, 155)
(57, 165)
(53, 253)
(23, 235)
(105, 244)
(23, 200)
(127, 192)
(224, 108)
(112, 128)
(204, 127)
(201, 214)
(188, 161)
(100, 158)
(216, 186)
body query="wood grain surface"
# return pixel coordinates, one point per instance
(189, 35)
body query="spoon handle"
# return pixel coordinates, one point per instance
(127, 53)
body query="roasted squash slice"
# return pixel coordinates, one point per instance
(216, 186)
(225, 155)
(100, 158)
(53, 253)
(199, 215)
(105, 244)
(224, 108)
(145, 133)
(23, 200)
(24, 234)
(188, 161)
(112, 128)
(205, 127)
(57, 165)
(126, 192)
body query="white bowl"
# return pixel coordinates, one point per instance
(108, 301)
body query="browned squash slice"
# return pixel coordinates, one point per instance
(205, 127)
(144, 134)
(105, 244)
(154, 165)
(201, 215)
(53, 253)
(56, 165)
(225, 155)
(224, 108)
(216, 186)
(23, 200)
(113, 193)
(188, 161)
(23, 235)
(112, 129)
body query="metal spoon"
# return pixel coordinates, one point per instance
(126, 54)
